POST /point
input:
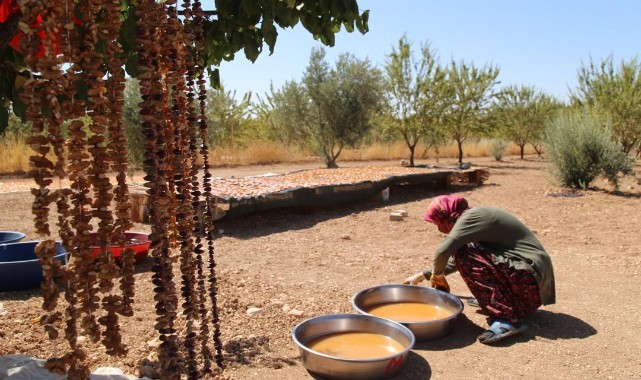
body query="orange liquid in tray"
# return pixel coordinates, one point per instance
(356, 345)
(410, 311)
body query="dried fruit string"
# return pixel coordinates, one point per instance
(117, 149)
(174, 52)
(196, 200)
(199, 37)
(170, 164)
(114, 154)
(45, 93)
(37, 94)
(149, 14)
(69, 42)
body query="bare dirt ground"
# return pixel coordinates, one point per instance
(295, 265)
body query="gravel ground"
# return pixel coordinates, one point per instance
(295, 265)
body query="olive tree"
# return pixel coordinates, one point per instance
(614, 93)
(131, 121)
(226, 116)
(520, 113)
(283, 111)
(342, 100)
(469, 93)
(414, 93)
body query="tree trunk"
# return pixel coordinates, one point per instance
(538, 149)
(412, 149)
(331, 157)
(522, 146)
(460, 151)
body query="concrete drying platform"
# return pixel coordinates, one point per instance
(235, 197)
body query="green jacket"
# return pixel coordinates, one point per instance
(508, 240)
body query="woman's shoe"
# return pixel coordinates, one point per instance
(500, 330)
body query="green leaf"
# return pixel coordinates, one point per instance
(362, 24)
(326, 7)
(4, 119)
(269, 34)
(18, 107)
(214, 78)
(349, 27)
(236, 40)
(252, 47)
(5, 86)
(128, 29)
(295, 18)
(100, 46)
(338, 7)
(329, 38)
(15, 60)
(284, 16)
(351, 6)
(82, 90)
(251, 7)
(19, 82)
(269, 10)
(310, 23)
(131, 64)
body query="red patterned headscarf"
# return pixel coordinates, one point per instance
(444, 210)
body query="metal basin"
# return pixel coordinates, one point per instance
(333, 367)
(396, 293)
(11, 236)
(20, 267)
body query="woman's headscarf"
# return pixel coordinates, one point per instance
(444, 210)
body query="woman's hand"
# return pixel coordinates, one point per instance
(415, 279)
(439, 282)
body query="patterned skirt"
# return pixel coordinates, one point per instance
(503, 293)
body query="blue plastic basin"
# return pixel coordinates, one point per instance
(11, 236)
(19, 266)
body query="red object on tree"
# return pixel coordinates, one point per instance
(10, 7)
(15, 42)
(7, 8)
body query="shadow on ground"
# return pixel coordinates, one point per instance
(464, 334)
(263, 223)
(548, 325)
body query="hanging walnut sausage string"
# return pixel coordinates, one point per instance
(173, 122)
(36, 94)
(155, 164)
(117, 151)
(181, 172)
(199, 38)
(196, 205)
(70, 44)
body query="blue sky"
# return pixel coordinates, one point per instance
(540, 43)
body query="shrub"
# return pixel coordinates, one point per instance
(498, 147)
(14, 152)
(17, 127)
(581, 149)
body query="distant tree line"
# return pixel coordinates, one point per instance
(416, 99)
